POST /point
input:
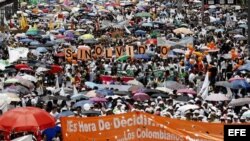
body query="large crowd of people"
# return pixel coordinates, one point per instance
(204, 76)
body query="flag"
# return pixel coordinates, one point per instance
(126, 29)
(62, 93)
(23, 23)
(75, 90)
(205, 87)
(51, 25)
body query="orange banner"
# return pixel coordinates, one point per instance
(138, 126)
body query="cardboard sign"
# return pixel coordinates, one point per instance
(118, 51)
(117, 34)
(99, 51)
(68, 53)
(130, 51)
(164, 51)
(108, 53)
(138, 126)
(142, 49)
(84, 54)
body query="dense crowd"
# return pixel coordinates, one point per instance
(199, 80)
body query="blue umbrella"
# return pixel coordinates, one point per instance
(245, 67)
(64, 114)
(104, 92)
(41, 50)
(51, 132)
(26, 40)
(78, 96)
(243, 26)
(219, 30)
(34, 43)
(91, 84)
(81, 103)
(142, 56)
(140, 32)
(240, 84)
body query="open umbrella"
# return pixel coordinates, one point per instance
(141, 56)
(10, 97)
(142, 14)
(246, 114)
(173, 85)
(90, 84)
(98, 99)
(240, 84)
(140, 32)
(217, 97)
(159, 94)
(223, 84)
(105, 92)
(55, 69)
(64, 114)
(91, 113)
(26, 119)
(86, 37)
(183, 31)
(135, 82)
(184, 108)
(141, 97)
(78, 97)
(81, 103)
(239, 102)
(91, 93)
(20, 66)
(245, 67)
(188, 91)
(151, 41)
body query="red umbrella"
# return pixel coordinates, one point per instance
(55, 69)
(60, 54)
(26, 119)
(151, 41)
(19, 66)
(188, 91)
(60, 36)
(141, 97)
(26, 69)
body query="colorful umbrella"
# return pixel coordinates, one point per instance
(91, 93)
(81, 103)
(151, 41)
(26, 119)
(135, 82)
(20, 66)
(141, 56)
(98, 99)
(141, 97)
(86, 37)
(239, 84)
(78, 97)
(143, 14)
(55, 69)
(187, 91)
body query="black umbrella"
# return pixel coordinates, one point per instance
(91, 113)
(159, 94)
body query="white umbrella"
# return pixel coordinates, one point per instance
(212, 7)
(41, 69)
(164, 89)
(23, 138)
(184, 108)
(179, 51)
(217, 97)
(10, 97)
(134, 82)
(239, 36)
(246, 114)
(29, 77)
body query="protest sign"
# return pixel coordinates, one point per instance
(137, 126)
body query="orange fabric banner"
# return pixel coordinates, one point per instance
(138, 126)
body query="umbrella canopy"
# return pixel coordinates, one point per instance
(134, 88)
(223, 84)
(217, 97)
(183, 31)
(26, 119)
(98, 99)
(151, 41)
(64, 114)
(188, 91)
(240, 84)
(135, 82)
(90, 84)
(143, 14)
(81, 103)
(245, 67)
(159, 94)
(141, 97)
(10, 97)
(239, 102)
(78, 97)
(20, 66)
(184, 108)
(91, 93)
(86, 37)
(55, 69)
(246, 114)
(141, 56)
(29, 77)
(105, 92)
(173, 85)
